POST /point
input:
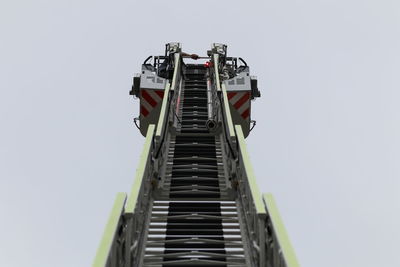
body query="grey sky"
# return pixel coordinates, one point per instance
(326, 141)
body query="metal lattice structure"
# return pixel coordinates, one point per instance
(195, 201)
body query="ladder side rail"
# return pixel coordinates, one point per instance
(279, 249)
(227, 118)
(251, 202)
(110, 251)
(161, 124)
(177, 71)
(138, 205)
(225, 115)
(168, 103)
(167, 117)
(215, 61)
(160, 163)
(175, 89)
(268, 237)
(229, 148)
(161, 137)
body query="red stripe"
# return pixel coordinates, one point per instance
(242, 100)
(231, 94)
(149, 99)
(160, 93)
(246, 113)
(143, 111)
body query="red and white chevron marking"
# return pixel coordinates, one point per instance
(149, 99)
(241, 102)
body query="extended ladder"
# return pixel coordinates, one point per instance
(195, 201)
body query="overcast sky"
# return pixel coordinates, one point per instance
(326, 144)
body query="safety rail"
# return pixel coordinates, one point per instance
(279, 251)
(167, 114)
(251, 203)
(112, 243)
(224, 116)
(229, 144)
(168, 102)
(123, 239)
(215, 65)
(161, 125)
(268, 240)
(227, 113)
(139, 201)
(177, 71)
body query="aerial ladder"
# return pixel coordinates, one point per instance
(194, 200)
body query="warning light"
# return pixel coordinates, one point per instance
(208, 64)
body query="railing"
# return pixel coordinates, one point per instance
(268, 243)
(110, 251)
(169, 99)
(161, 125)
(227, 115)
(251, 203)
(167, 115)
(279, 251)
(177, 71)
(139, 201)
(151, 171)
(215, 60)
(125, 235)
